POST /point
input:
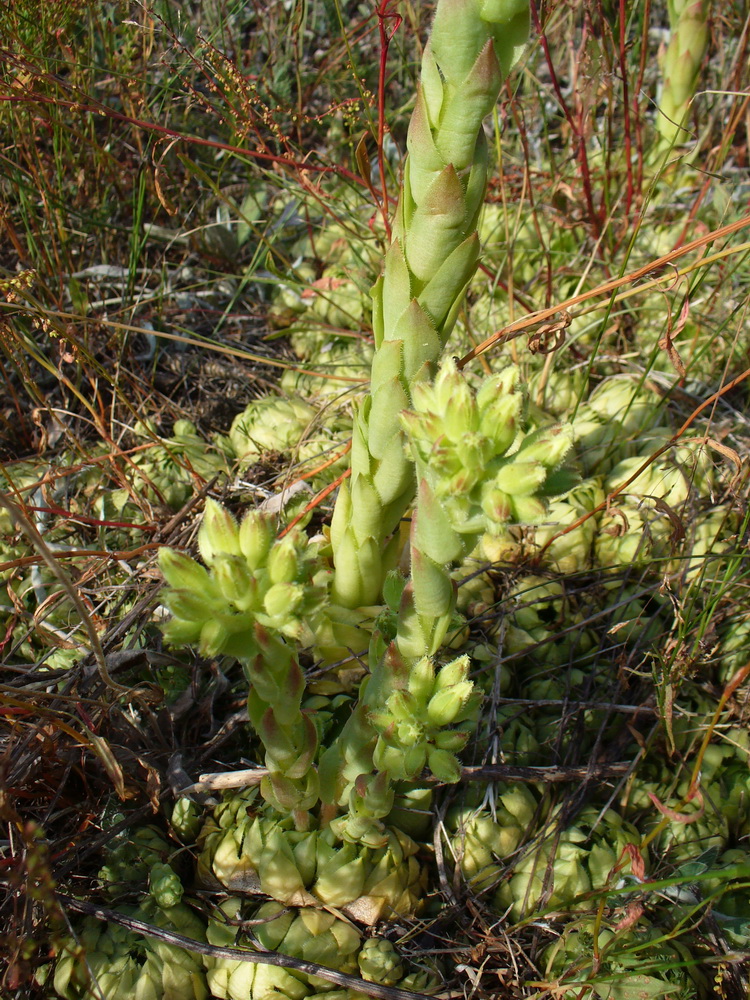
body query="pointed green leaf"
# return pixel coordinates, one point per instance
(464, 113)
(450, 279)
(396, 288)
(437, 226)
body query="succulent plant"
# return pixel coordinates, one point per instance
(476, 471)
(251, 849)
(412, 724)
(270, 424)
(727, 889)
(313, 935)
(250, 579)
(434, 253)
(556, 870)
(310, 934)
(168, 469)
(616, 413)
(542, 625)
(131, 855)
(483, 840)
(680, 64)
(110, 962)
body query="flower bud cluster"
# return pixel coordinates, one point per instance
(250, 579)
(471, 449)
(476, 470)
(413, 723)
(256, 592)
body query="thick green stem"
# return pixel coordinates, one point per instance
(426, 271)
(680, 67)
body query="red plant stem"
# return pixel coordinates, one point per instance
(121, 556)
(383, 15)
(316, 500)
(576, 125)
(95, 521)
(637, 90)
(103, 111)
(626, 112)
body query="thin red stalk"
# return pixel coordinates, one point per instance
(385, 40)
(316, 501)
(575, 124)
(637, 90)
(85, 519)
(626, 106)
(106, 112)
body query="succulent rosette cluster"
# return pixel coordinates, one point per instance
(248, 847)
(310, 934)
(483, 842)
(131, 855)
(111, 962)
(726, 887)
(270, 424)
(539, 607)
(479, 467)
(562, 868)
(558, 542)
(613, 420)
(313, 935)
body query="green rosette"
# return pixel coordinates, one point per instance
(109, 962)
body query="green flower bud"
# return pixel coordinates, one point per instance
(446, 706)
(453, 673)
(165, 886)
(256, 537)
(218, 534)
(283, 600)
(379, 962)
(235, 582)
(283, 565)
(184, 573)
